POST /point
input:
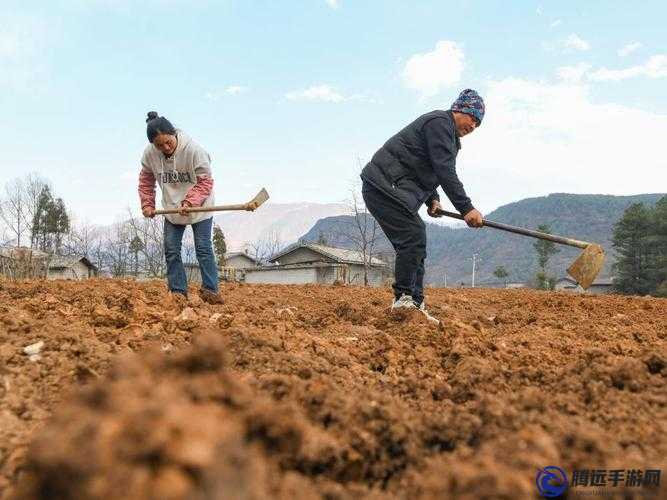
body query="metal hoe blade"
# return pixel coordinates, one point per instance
(260, 198)
(587, 266)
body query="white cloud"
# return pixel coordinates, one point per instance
(430, 72)
(333, 4)
(231, 90)
(575, 42)
(573, 73)
(654, 67)
(324, 93)
(556, 23)
(539, 138)
(628, 49)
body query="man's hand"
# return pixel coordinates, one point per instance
(184, 206)
(433, 209)
(473, 218)
(148, 212)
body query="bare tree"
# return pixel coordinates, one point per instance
(81, 239)
(263, 248)
(150, 232)
(116, 249)
(361, 232)
(13, 211)
(4, 238)
(18, 207)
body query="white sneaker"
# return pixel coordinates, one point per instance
(405, 302)
(429, 318)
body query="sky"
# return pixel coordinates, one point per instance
(296, 96)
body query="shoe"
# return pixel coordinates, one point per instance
(404, 302)
(429, 318)
(210, 297)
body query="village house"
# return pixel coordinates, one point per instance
(234, 269)
(71, 268)
(304, 263)
(599, 286)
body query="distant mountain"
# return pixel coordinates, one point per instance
(450, 249)
(288, 221)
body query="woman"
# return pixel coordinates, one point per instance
(182, 168)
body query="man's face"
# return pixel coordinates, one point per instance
(166, 143)
(465, 123)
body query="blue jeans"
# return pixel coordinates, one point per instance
(173, 238)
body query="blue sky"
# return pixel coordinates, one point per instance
(290, 94)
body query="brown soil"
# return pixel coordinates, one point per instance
(316, 392)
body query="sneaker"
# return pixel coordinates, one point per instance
(429, 318)
(404, 302)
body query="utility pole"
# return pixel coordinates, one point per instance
(474, 262)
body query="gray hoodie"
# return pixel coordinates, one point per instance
(177, 176)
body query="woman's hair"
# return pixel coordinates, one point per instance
(158, 125)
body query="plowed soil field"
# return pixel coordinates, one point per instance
(318, 392)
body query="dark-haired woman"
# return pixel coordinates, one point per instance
(182, 169)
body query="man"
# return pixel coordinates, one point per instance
(405, 173)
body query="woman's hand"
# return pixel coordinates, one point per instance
(148, 212)
(184, 206)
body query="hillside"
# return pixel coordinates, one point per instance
(584, 217)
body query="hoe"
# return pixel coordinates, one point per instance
(585, 267)
(251, 206)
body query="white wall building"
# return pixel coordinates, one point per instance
(70, 268)
(304, 263)
(599, 286)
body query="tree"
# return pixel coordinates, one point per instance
(545, 249)
(501, 273)
(60, 223)
(13, 211)
(630, 241)
(262, 249)
(658, 243)
(322, 239)
(150, 232)
(640, 242)
(18, 206)
(42, 220)
(362, 232)
(50, 222)
(136, 246)
(219, 245)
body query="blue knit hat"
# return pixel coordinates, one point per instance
(471, 103)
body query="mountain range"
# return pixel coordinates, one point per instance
(588, 217)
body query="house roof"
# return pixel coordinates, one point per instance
(341, 255)
(240, 254)
(63, 261)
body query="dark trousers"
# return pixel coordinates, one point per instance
(173, 237)
(407, 234)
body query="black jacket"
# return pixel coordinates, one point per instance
(413, 163)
